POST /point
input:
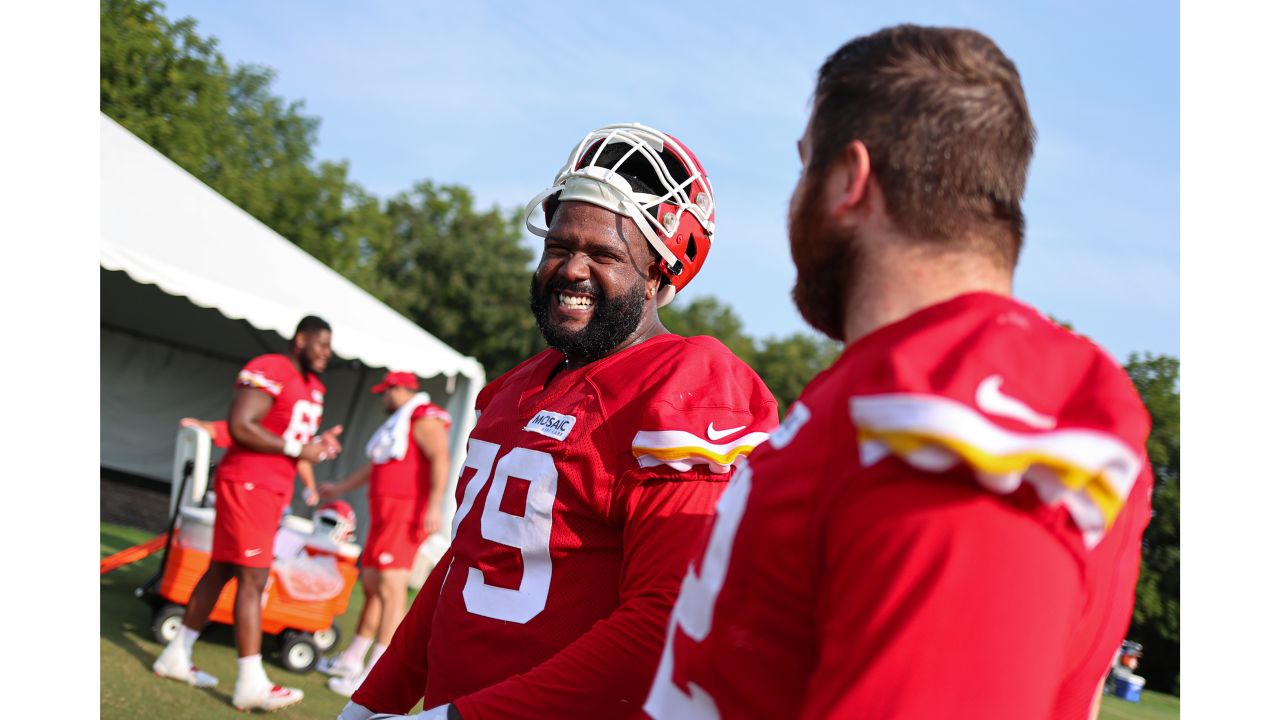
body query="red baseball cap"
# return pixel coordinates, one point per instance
(397, 379)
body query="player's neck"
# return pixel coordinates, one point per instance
(896, 283)
(297, 364)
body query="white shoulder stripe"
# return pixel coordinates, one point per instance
(1087, 471)
(682, 450)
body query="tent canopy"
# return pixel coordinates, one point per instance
(192, 287)
(228, 260)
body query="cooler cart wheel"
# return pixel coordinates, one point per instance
(165, 622)
(298, 651)
(326, 639)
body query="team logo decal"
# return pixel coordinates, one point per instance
(553, 425)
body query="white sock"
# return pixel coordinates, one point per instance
(188, 637)
(355, 652)
(373, 658)
(251, 672)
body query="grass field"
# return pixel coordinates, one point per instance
(130, 690)
(1154, 706)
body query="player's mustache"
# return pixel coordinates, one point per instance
(582, 287)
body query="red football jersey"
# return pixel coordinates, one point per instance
(947, 525)
(295, 412)
(409, 476)
(582, 497)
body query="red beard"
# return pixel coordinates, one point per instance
(824, 259)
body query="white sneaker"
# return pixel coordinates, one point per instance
(346, 686)
(265, 697)
(174, 664)
(335, 667)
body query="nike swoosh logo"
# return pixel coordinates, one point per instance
(715, 434)
(254, 551)
(993, 401)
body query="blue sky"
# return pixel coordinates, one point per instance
(494, 95)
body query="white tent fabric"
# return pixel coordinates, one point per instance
(226, 259)
(192, 287)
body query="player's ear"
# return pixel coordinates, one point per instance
(850, 178)
(653, 279)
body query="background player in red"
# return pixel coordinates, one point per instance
(948, 522)
(274, 415)
(407, 473)
(594, 465)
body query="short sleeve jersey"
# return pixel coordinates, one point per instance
(296, 407)
(408, 477)
(537, 551)
(947, 524)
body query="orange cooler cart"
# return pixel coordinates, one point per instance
(309, 586)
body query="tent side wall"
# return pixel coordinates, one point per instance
(155, 371)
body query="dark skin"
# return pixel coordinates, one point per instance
(588, 243)
(310, 353)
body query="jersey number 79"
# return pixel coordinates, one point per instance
(529, 533)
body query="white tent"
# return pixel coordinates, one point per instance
(192, 287)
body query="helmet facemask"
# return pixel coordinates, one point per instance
(648, 176)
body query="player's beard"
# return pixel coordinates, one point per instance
(824, 257)
(613, 319)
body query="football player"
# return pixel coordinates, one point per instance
(594, 466)
(407, 473)
(273, 419)
(220, 437)
(947, 524)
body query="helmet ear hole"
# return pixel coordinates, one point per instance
(692, 249)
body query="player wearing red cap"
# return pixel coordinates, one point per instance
(407, 473)
(948, 522)
(274, 415)
(594, 465)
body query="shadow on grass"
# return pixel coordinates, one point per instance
(126, 620)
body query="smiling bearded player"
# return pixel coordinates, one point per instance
(593, 467)
(948, 522)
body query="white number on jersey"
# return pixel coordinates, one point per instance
(529, 533)
(693, 609)
(304, 422)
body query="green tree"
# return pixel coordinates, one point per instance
(1156, 608)
(706, 315)
(787, 364)
(461, 273)
(172, 88)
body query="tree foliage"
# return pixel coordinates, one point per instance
(1156, 608)
(785, 364)
(460, 273)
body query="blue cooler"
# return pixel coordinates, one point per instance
(1129, 687)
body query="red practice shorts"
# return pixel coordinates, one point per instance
(245, 523)
(395, 532)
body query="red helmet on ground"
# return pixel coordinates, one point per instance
(649, 176)
(337, 520)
